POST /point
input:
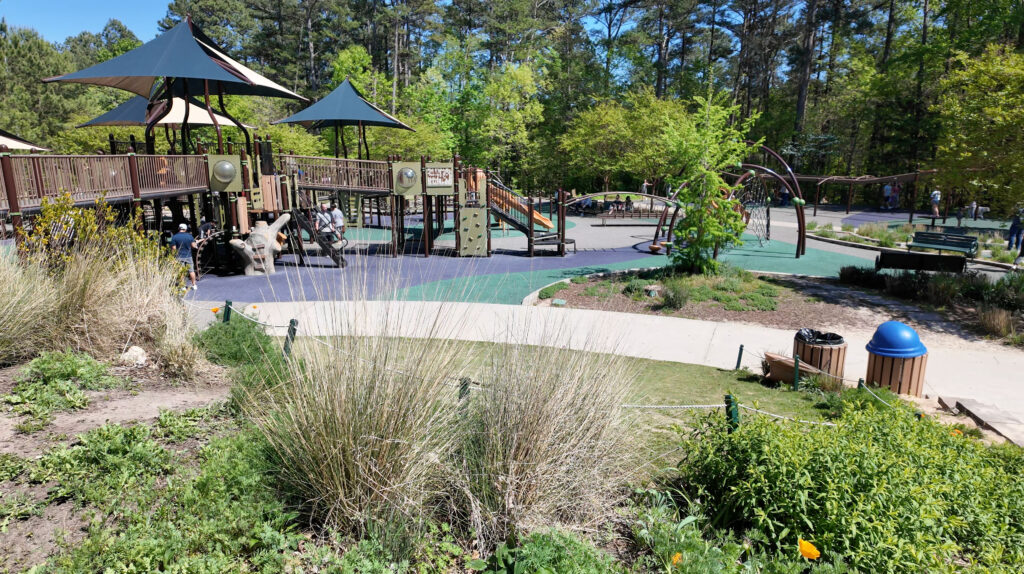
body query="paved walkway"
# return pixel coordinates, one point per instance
(984, 371)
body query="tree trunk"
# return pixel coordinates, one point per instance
(806, 63)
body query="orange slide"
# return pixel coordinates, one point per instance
(508, 202)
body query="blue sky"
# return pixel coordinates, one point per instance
(58, 19)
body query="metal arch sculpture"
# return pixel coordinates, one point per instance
(755, 199)
(794, 188)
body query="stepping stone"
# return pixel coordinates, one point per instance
(558, 302)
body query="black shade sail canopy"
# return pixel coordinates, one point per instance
(344, 106)
(137, 112)
(14, 142)
(187, 59)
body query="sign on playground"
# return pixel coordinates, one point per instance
(439, 177)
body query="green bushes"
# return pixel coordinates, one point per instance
(549, 291)
(882, 491)
(675, 293)
(635, 286)
(546, 552)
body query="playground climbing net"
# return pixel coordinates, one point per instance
(755, 197)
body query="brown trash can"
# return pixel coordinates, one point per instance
(824, 351)
(897, 359)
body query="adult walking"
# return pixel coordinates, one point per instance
(183, 243)
(1016, 230)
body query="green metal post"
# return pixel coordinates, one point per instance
(860, 383)
(293, 326)
(227, 311)
(796, 372)
(739, 358)
(464, 388)
(732, 412)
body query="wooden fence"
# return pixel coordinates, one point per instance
(86, 178)
(336, 174)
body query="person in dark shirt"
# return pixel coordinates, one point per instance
(183, 244)
(205, 228)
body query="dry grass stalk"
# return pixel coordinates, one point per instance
(996, 321)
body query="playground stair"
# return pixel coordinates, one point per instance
(332, 250)
(513, 209)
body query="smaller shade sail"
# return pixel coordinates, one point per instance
(185, 55)
(133, 113)
(344, 106)
(14, 142)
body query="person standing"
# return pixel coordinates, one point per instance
(936, 198)
(338, 220)
(1016, 230)
(183, 243)
(323, 224)
(887, 196)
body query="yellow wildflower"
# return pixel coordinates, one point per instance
(676, 558)
(215, 309)
(956, 432)
(808, 550)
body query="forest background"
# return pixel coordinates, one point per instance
(574, 93)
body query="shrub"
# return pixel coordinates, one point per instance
(675, 293)
(811, 225)
(548, 551)
(1008, 291)
(932, 495)
(974, 286)
(75, 287)
(635, 286)
(907, 285)
(995, 321)
(826, 232)
(544, 442)
(760, 302)
(361, 431)
(549, 291)
(943, 289)
(579, 279)
(847, 227)
(862, 277)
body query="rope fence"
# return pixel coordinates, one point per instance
(731, 406)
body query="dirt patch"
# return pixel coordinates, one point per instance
(31, 541)
(802, 302)
(151, 392)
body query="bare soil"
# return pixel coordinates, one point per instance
(151, 392)
(32, 540)
(802, 302)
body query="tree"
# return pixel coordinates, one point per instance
(29, 108)
(594, 141)
(982, 111)
(705, 144)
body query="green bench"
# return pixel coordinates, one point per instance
(945, 242)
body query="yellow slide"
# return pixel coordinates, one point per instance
(508, 202)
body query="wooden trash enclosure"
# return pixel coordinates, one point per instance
(903, 376)
(829, 359)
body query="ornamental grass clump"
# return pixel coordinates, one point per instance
(880, 492)
(545, 441)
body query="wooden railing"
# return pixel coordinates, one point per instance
(171, 173)
(84, 178)
(333, 173)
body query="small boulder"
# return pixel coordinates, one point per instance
(134, 356)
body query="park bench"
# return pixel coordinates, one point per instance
(920, 262)
(631, 214)
(945, 242)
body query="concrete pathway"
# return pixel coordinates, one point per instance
(978, 369)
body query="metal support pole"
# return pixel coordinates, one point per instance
(739, 358)
(227, 311)
(293, 326)
(860, 383)
(796, 372)
(732, 412)
(12, 191)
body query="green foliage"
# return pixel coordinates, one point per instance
(107, 465)
(882, 491)
(547, 552)
(675, 293)
(635, 286)
(10, 466)
(224, 517)
(55, 381)
(704, 145)
(17, 506)
(602, 289)
(549, 291)
(982, 108)
(579, 279)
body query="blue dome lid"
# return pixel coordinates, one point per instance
(895, 339)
